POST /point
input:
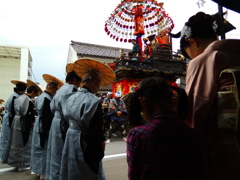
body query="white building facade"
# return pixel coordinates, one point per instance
(15, 64)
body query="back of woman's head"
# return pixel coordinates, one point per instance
(157, 93)
(202, 26)
(19, 87)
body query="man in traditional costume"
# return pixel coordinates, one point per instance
(10, 113)
(85, 142)
(117, 114)
(154, 44)
(59, 124)
(41, 130)
(18, 151)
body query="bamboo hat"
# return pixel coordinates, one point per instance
(49, 78)
(84, 65)
(15, 82)
(69, 67)
(31, 83)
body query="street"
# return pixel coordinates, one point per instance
(114, 164)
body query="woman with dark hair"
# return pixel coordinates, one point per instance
(199, 42)
(10, 113)
(163, 147)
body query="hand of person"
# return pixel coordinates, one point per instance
(119, 113)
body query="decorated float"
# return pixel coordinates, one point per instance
(140, 20)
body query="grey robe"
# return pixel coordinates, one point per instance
(17, 154)
(39, 153)
(83, 151)
(55, 140)
(5, 124)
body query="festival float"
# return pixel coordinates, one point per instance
(139, 19)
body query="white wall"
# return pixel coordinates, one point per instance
(13, 69)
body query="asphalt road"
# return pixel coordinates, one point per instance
(114, 164)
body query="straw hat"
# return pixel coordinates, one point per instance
(69, 67)
(15, 82)
(83, 65)
(49, 78)
(31, 83)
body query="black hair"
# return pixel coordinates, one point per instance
(31, 89)
(20, 87)
(90, 76)
(53, 85)
(201, 26)
(157, 90)
(182, 103)
(71, 76)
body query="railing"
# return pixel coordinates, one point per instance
(162, 60)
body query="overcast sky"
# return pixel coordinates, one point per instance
(48, 26)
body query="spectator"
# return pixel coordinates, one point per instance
(164, 147)
(117, 113)
(199, 42)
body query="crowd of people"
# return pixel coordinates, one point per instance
(173, 133)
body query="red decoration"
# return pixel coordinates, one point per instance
(125, 86)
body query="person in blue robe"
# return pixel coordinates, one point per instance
(85, 141)
(59, 126)
(8, 117)
(41, 130)
(18, 150)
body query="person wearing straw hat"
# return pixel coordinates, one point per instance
(41, 129)
(85, 141)
(18, 151)
(59, 124)
(19, 89)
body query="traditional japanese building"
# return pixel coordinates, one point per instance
(104, 54)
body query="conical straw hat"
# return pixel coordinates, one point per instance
(49, 78)
(82, 66)
(31, 83)
(69, 67)
(15, 82)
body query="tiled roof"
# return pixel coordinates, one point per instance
(97, 50)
